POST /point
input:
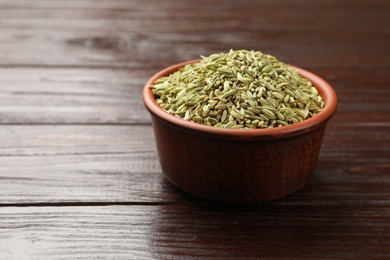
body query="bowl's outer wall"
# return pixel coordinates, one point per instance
(236, 171)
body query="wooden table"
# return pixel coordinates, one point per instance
(79, 174)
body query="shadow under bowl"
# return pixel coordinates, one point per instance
(239, 166)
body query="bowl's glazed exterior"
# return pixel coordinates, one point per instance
(238, 165)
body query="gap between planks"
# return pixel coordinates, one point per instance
(86, 204)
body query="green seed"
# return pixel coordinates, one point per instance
(279, 115)
(224, 116)
(277, 95)
(269, 113)
(267, 69)
(198, 119)
(236, 115)
(281, 122)
(229, 93)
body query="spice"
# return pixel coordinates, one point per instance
(239, 89)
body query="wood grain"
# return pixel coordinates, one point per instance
(19, 140)
(79, 173)
(113, 96)
(72, 96)
(87, 64)
(193, 232)
(132, 33)
(89, 164)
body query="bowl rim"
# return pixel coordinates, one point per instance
(324, 88)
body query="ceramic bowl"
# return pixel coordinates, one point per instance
(238, 166)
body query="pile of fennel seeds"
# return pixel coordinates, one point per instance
(239, 89)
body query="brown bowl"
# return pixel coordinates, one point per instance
(238, 165)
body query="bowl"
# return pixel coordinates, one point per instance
(240, 166)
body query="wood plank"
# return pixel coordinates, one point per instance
(49, 140)
(116, 48)
(270, 231)
(113, 96)
(89, 164)
(116, 33)
(106, 178)
(121, 179)
(80, 164)
(40, 140)
(72, 96)
(79, 172)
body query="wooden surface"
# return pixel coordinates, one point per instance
(79, 173)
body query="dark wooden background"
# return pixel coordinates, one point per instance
(79, 175)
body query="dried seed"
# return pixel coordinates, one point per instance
(269, 113)
(286, 98)
(224, 116)
(229, 125)
(277, 95)
(281, 122)
(229, 93)
(279, 115)
(281, 84)
(267, 69)
(198, 119)
(236, 115)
